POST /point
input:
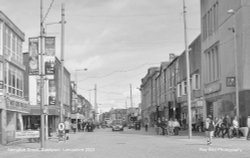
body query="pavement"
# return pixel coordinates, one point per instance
(129, 143)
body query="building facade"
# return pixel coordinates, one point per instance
(148, 95)
(220, 50)
(197, 100)
(53, 94)
(12, 99)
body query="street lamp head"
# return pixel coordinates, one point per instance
(231, 11)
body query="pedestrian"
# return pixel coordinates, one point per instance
(170, 127)
(209, 125)
(219, 127)
(235, 127)
(176, 126)
(146, 125)
(67, 128)
(227, 125)
(74, 126)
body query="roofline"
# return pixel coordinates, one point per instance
(13, 26)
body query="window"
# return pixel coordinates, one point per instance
(184, 87)
(15, 81)
(210, 21)
(179, 90)
(212, 64)
(196, 82)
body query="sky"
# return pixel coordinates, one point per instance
(115, 40)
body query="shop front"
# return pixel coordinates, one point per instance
(11, 118)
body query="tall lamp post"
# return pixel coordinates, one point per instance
(233, 29)
(42, 132)
(188, 73)
(76, 75)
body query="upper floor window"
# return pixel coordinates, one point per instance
(212, 66)
(184, 87)
(195, 81)
(210, 21)
(179, 92)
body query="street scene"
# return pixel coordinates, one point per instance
(124, 78)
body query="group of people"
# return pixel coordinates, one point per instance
(219, 127)
(80, 126)
(168, 127)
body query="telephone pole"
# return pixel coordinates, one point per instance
(62, 62)
(188, 72)
(41, 77)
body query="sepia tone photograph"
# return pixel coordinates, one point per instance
(124, 78)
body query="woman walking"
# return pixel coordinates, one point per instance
(209, 129)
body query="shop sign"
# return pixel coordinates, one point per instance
(211, 88)
(27, 134)
(49, 67)
(230, 81)
(52, 92)
(50, 45)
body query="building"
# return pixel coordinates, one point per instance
(162, 90)
(180, 84)
(52, 93)
(12, 99)
(149, 96)
(217, 45)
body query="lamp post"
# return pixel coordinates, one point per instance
(76, 75)
(233, 29)
(188, 72)
(41, 73)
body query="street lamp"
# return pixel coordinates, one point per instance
(188, 72)
(76, 77)
(233, 29)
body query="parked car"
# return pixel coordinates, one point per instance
(117, 125)
(131, 125)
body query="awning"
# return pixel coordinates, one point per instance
(77, 116)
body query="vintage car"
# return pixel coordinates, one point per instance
(117, 125)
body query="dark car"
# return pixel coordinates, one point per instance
(131, 125)
(117, 125)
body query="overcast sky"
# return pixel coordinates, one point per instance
(116, 40)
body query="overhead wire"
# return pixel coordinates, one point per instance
(48, 10)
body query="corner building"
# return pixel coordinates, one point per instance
(12, 99)
(218, 58)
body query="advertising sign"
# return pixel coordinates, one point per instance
(38, 91)
(52, 92)
(33, 55)
(50, 45)
(27, 134)
(49, 67)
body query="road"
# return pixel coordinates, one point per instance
(103, 143)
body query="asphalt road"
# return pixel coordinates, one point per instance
(103, 143)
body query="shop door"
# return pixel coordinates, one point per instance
(210, 109)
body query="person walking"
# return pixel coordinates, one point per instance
(209, 126)
(176, 126)
(146, 125)
(67, 128)
(227, 125)
(74, 126)
(235, 127)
